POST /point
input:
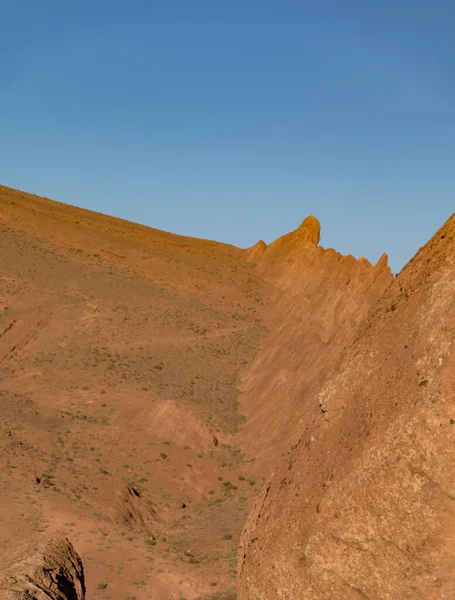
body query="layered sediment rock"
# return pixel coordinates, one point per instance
(41, 569)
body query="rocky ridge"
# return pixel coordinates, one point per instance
(361, 505)
(320, 299)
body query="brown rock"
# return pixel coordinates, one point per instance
(41, 569)
(131, 510)
(362, 503)
(321, 298)
(253, 254)
(310, 230)
(383, 260)
(306, 236)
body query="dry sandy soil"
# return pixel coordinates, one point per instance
(148, 383)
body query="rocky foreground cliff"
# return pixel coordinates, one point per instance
(362, 504)
(41, 568)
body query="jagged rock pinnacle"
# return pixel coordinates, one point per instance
(254, 252)
(310, 229)
(306, 236)
(383, 261)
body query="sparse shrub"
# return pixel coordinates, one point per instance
(229, 485)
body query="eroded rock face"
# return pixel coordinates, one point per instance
(362, 505)
(306, 235)
(289, 246)
(132, 511)
(321, 297)
(41, 569)
(253, 254)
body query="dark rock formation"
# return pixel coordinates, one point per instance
(41, 569)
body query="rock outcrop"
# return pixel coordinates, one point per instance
(131, 510)
(307, 234)
(321, 297)
(41, 569)
(252, 254)
(362, 504)
(288, 246)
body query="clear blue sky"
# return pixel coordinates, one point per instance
(235, 119)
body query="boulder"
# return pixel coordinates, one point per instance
(41, 569)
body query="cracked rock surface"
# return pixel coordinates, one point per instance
(41, 569)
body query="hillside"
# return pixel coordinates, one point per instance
(148, 382)
(361, 504)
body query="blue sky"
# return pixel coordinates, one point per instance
(234, 120)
